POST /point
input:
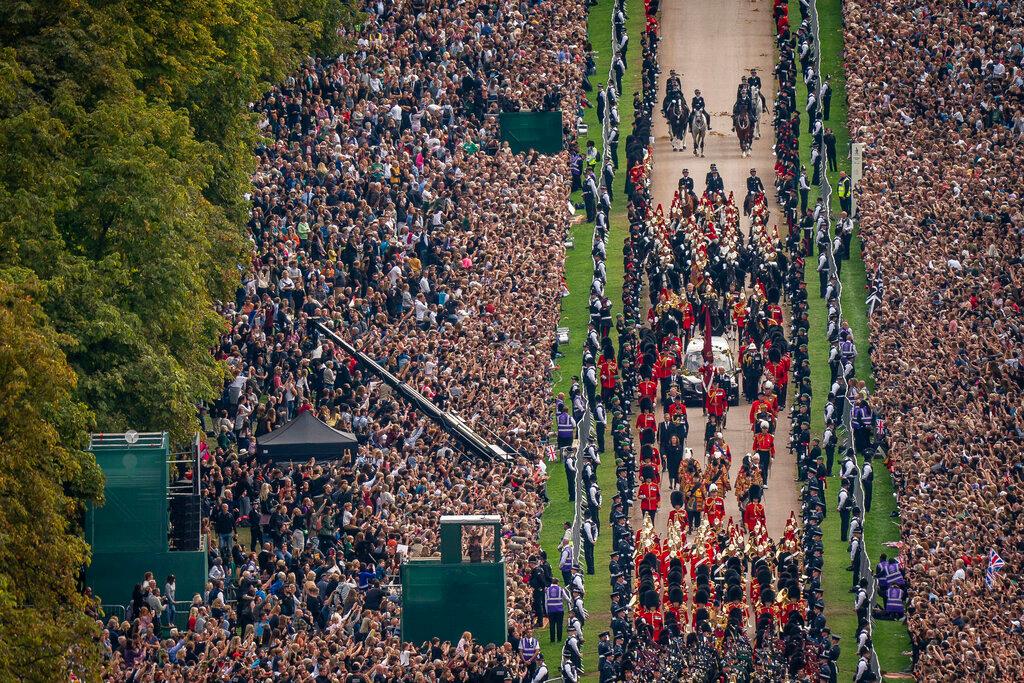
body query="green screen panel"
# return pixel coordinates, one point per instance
(526, 130)
(133, 516)
(444, 600)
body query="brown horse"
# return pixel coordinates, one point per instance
(688, 204)
(743, 124)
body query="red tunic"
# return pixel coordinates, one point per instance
(663, 367)
(714, 508)
(753, 514)
(609, 372)
(716, 403)
(764, 442)
(650, 496)
(648, 388)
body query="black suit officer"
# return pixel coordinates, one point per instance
(713, 181)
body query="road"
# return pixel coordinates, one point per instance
(712, 45)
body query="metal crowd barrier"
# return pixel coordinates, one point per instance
(858, 491)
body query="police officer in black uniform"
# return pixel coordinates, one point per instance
(754, 184)
(697, 107)
(686, 182)
(713, 181)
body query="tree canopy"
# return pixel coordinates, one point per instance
(127, 142)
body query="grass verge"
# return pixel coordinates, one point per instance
(575, 316)
(890, 638)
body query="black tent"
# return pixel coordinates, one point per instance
(303, 438)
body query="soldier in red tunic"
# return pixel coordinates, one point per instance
(754, 512)
(716, 405)
(609, 376)
(714, 507)
(650, 498)
(764, 446)
(648, 389)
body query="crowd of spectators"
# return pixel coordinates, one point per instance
(386, 205)
(934, 93)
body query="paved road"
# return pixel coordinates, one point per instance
(712, 45)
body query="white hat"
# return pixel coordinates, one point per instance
(713, 487)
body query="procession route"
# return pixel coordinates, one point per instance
(711, 46)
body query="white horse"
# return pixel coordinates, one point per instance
(698, 129)
(759, 108)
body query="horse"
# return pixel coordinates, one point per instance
(758, 108)
(688, 205)
(677, 114)
(743, 124)
(698, 129)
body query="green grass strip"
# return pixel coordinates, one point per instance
(575, 315)
(890, 638)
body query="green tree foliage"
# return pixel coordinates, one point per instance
(43, 622)
(127, 151)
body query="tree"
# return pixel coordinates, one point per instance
(127, 141)
(42, 619)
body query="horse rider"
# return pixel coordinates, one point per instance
(671, 96)
(686, 182)
(754, 188)
(713, 181)
(743, 89)
(754, 184)
(674, 85)
(697, 107)
(754, 81)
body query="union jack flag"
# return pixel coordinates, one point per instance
(995, 563)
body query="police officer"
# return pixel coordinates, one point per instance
(686, 182)
(674, 84)
(590, 195)
(844, 190)
(713, 181)
(697, 108)
(867, 479)
(594, 503)
(571, 649)
(600, 424)
(845, 508)
(589, 541)
(570, 471)
(754, 184)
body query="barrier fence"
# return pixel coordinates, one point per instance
(825, 188)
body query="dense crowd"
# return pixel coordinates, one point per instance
(935, 94)
(385, 204)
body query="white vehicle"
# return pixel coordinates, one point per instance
(691, 379)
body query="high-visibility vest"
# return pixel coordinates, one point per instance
(553, 599)
(844, 188)
(564, 425)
